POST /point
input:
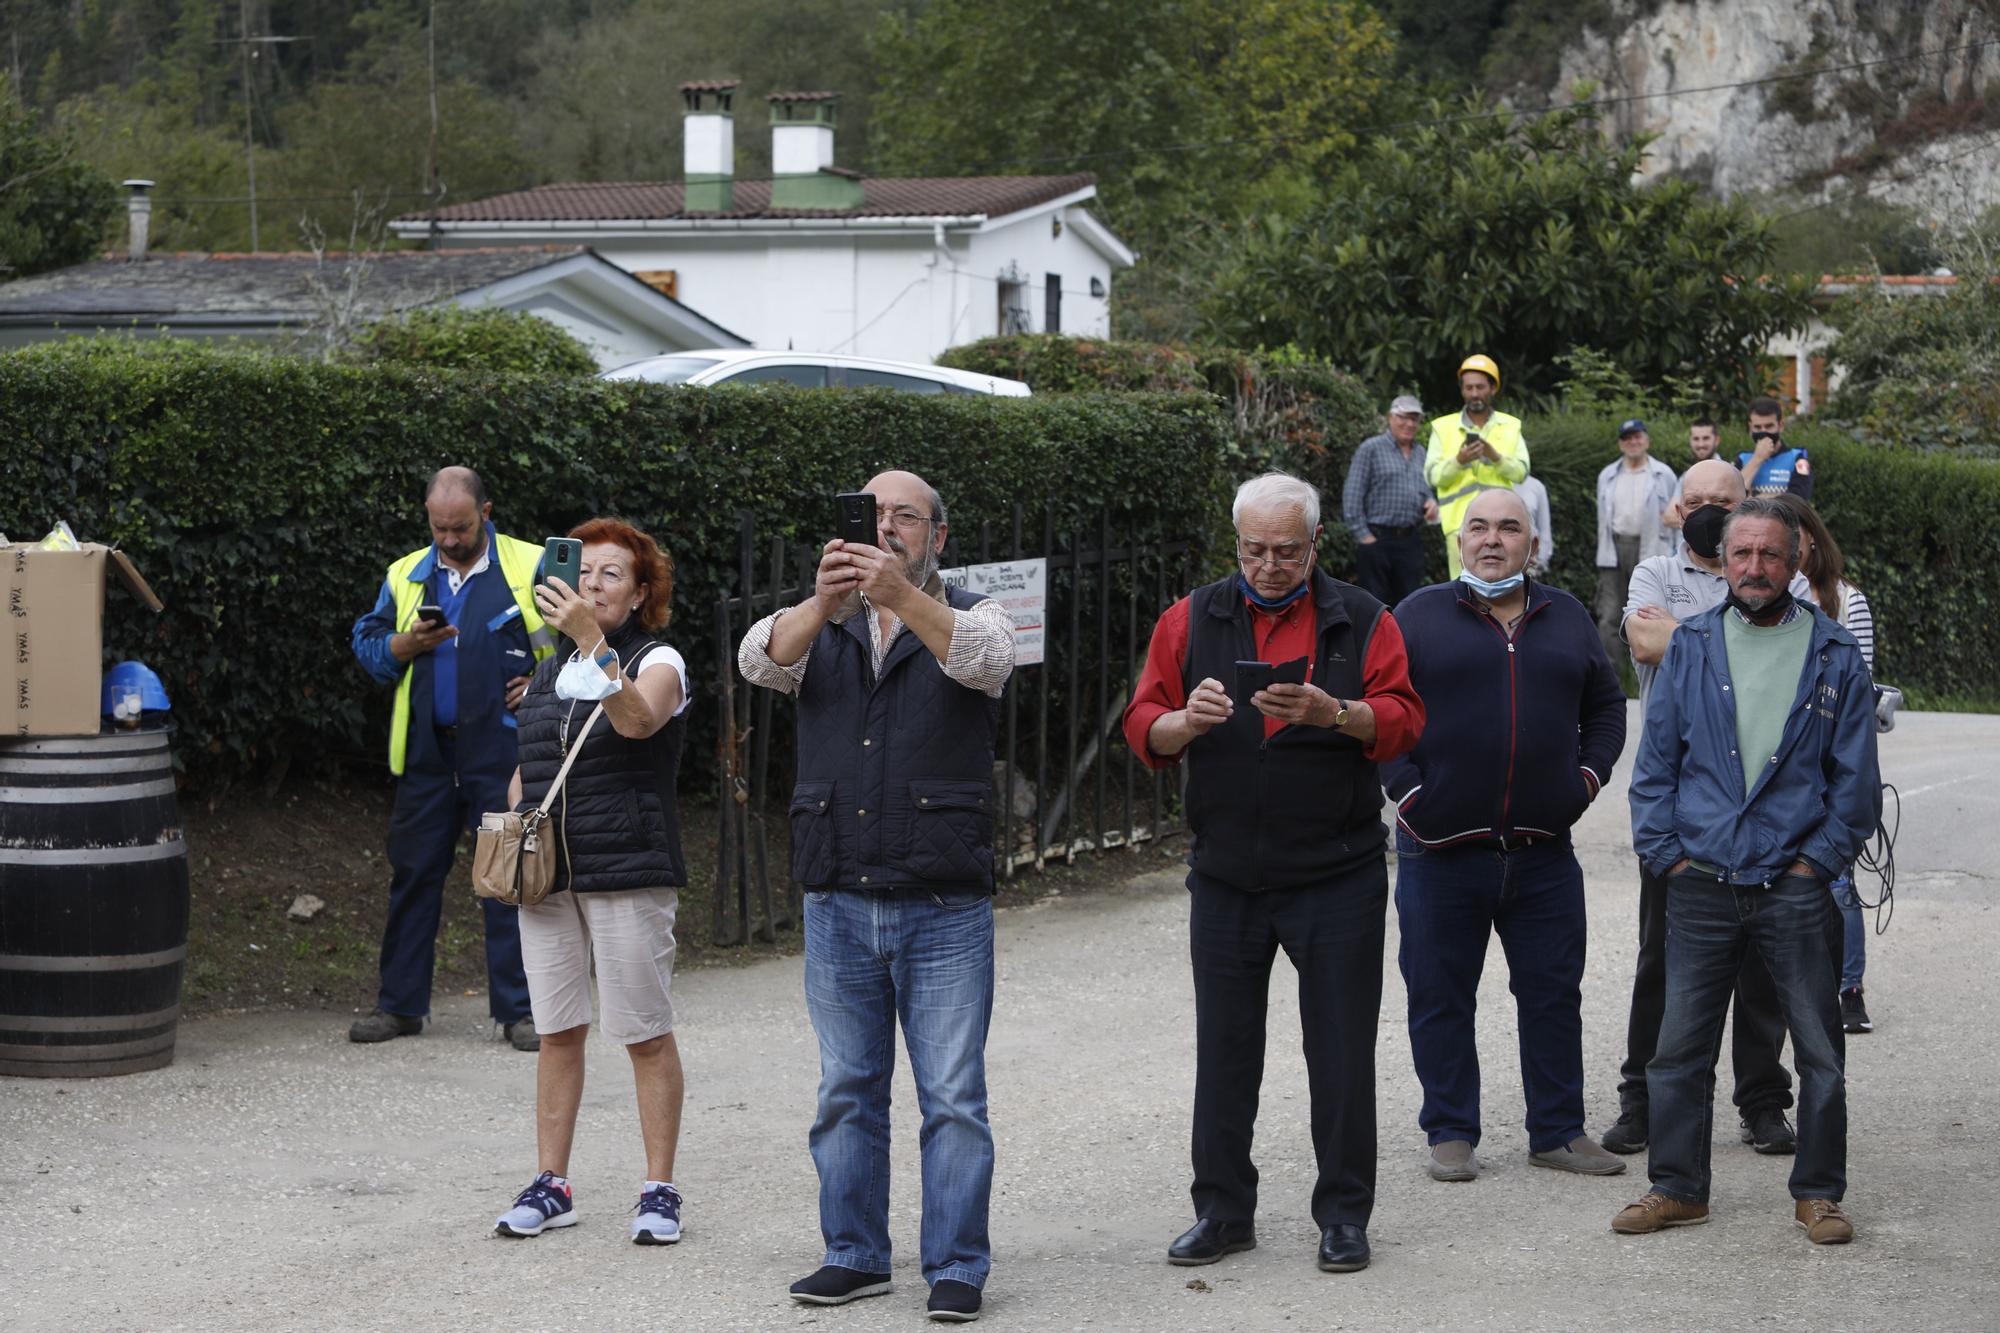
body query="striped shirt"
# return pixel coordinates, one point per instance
(1857, 618)
(981, 655)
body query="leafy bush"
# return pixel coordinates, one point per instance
(264, 496)
(54, 210)
(486, 338)
(1923, 371)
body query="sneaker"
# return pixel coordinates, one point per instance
(953, 1302)
(1452, 1160)
(834, 1285)
(659, 1219)
(544, 1204)
(1580, 1155)
(521, 1035)
(1654, 1212)
(1628, 1135)
(1825, 1224)
(1769, 1132)
(384, 1026)
(1854, 1013)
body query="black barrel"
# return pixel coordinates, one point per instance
(93, 905)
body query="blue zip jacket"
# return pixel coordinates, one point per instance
(1818, 801)
(1511, 725)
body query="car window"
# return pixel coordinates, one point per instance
(860, 378)
(806, 377)
(663, 369)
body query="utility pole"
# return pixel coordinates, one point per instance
(249, 46)
(431, 186)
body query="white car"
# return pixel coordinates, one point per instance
(810, 370)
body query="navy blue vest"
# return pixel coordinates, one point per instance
(895, 774)
(1305, 805)
(492, 648)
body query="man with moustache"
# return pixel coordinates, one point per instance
(1472, 450)
(1666, 591)
(898, 681)
(1755, 784)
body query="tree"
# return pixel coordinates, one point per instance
(1192, 112)
(1519, 238)
(53, 208)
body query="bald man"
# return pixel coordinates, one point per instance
(1666, 590)
(1526, 719)
(898, 680)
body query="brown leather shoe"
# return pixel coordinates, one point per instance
(1825, 1224)
(1655, 1211)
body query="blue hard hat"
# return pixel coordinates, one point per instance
(124, 676)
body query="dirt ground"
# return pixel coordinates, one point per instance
(251, 852)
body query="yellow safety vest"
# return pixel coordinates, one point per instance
(1456, 486)
(517, 561)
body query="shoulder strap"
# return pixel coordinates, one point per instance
(542, 811)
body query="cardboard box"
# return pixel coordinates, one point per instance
(54, 638)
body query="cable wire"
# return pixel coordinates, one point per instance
(1878, 858)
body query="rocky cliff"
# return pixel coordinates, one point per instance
(1914, 130)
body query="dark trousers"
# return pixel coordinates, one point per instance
(1612, 586)
(1797, 929)
(1333, 935)
(1448, 903)
(1757, 1037)
(1391, 567)
(432, 812)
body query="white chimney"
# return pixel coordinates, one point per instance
(139, 215)
(802, 132)
(708, 144)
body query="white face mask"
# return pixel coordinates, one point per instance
(584, 679)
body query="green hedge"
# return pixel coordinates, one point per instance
(264, 496)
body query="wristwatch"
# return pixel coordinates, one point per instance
(1340, 713)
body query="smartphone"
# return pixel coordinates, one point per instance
(431, 616)
(562, 558)
(855, 511)
(1254, 676)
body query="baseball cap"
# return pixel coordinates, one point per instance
(1632, 426)
(1406, 404)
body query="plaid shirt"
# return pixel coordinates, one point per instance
(1384, 487)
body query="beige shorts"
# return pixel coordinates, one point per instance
(629, 935)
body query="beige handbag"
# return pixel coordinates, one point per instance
(512, 859)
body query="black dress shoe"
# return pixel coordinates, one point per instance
(1210, 1239)
(1343, 1248)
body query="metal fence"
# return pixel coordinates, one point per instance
(1065, 783)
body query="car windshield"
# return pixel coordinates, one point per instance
(664, 369)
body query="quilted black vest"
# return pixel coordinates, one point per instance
(1303, 806)
(895, 774)
(617, 818)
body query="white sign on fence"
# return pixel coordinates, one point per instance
(1019, 585)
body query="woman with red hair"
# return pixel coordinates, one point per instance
(616, 824)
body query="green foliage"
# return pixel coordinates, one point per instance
(1520, 239)
(1856, 233)
(53, 208)
(487, 338)
(263, 497)
(1916, 531)
(1923, 371)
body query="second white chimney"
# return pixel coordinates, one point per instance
(802, 132)
(139, 216)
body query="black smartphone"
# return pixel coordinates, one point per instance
(1254, 676)
(855, 511)
(431, 616)
(562, 558)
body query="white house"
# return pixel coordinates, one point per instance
(1808, 378)
(821, 259)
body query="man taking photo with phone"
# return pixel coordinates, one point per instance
(456, 631)
(1473, 450)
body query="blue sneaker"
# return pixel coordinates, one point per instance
(659, 1219)
(544, 1204)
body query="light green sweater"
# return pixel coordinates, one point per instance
(1764, 666)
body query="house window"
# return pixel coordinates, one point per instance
(665, 281)
(1052, 304)
(1014, 317)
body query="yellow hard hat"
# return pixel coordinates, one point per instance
(1482, 363)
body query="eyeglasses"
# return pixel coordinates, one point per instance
(905, 520)
(1252, 560)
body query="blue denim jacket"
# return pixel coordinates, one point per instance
(1820, 798)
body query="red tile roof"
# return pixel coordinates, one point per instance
(623, 201)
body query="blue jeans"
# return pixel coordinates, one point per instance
(1449, 902)
(872, 958)
(1710, 924)
(1853, 958)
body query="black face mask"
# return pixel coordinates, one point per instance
(1703, 530)
(1776, 607)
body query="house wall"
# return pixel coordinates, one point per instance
(895, 295)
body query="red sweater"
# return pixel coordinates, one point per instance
(1279, 637)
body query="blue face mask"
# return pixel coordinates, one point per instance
(1498, 588)
(1270, 603)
